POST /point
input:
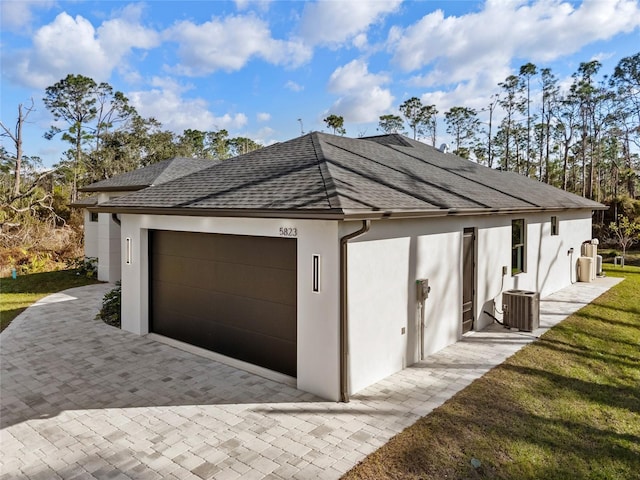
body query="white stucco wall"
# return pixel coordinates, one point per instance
(108, 243)
(90, 236)
(318, 313)
(383, 266)
(385, 263)
(549, 267)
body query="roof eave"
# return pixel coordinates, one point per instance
(516, 210)
(121, 188)
(329, 214)
(377, 215)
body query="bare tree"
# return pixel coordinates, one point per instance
(16, 137)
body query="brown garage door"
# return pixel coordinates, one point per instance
(232, 294)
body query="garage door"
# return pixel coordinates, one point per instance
(232, 294)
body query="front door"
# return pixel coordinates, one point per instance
(468, 278)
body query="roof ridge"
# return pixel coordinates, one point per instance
(325, 173)
(178, 164)
(170, 162)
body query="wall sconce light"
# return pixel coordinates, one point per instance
(316, 274)
(128, 254)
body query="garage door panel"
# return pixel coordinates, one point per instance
(251, 347)
(271, 284)
(229, 248)
(276, 285)
(277, 320)
(235, 295)
(168, 267)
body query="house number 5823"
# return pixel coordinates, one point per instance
(288, 232)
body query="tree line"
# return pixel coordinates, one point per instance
(584, 139)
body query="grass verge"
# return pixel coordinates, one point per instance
(16, 295)
(565, 407)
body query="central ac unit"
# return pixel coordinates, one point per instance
(521, 309)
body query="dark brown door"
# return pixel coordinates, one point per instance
(232, 294)
(468, 278)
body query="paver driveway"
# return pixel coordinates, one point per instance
(81, 399)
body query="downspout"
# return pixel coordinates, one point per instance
(114, 217)
(344, 325)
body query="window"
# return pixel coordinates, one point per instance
(554, 225)
(518, 239)
(94, 216)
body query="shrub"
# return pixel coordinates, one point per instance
(110, 311)
(86, 266)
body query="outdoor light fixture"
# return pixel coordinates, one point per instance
(128, 257)
(316, 274)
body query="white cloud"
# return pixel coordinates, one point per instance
(361, 107)
(259, 4)
(118, 36)
(229, 43)
(456, 49)
(360, 41)
(166, 103)
(265, 136)
(293, 86)
(73, 45)
(17, 16)
(335, 22)
(353, 76)
(362, 98)
(263, 117)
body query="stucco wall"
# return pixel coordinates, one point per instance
(384, 322)
(549, 267)
(318, 313)
(385, 263)
(108, 243)
(90, 236)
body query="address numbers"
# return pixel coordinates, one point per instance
(288, 232)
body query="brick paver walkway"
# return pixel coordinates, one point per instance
(83, 400)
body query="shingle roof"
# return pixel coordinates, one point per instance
(85, 202)
(326, 175)
(154, 174)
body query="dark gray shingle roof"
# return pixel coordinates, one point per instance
(85, 202)
(320, 174)
(154, 174)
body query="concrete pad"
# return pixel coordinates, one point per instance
(81, 399)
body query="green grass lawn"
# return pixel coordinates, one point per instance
(16, 295)
(565, 407)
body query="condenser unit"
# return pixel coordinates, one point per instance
(521, 309)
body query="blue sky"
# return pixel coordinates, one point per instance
(256, 67)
